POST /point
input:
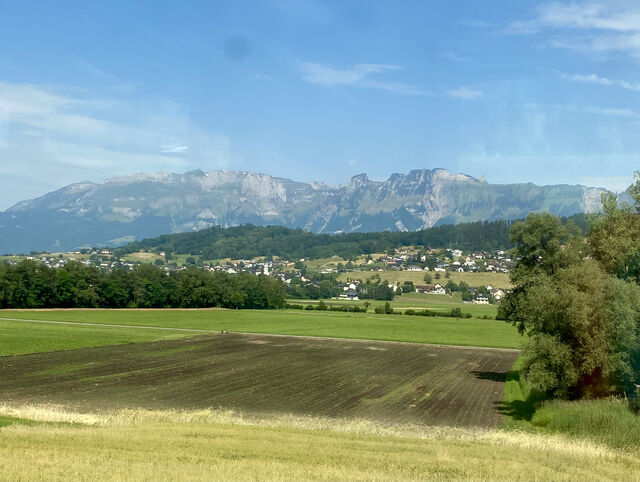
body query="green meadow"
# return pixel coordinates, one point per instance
(19, 338)
(418, 329)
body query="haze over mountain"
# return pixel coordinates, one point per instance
(123, 209)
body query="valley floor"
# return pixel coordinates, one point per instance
(163, 395)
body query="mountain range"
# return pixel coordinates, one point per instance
(124, 209)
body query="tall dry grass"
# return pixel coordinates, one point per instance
(226, 445)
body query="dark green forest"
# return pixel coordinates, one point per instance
(248, 241)
(32, 285)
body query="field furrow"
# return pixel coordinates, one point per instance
(271, 374)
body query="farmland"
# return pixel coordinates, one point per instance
(137, 403)
(497, 280)
(257, 374)
(418, 301)
(450, 331)
(19, 338)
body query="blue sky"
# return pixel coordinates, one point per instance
(313, 90)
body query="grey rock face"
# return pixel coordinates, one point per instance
(126, 208)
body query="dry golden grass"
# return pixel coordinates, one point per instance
(224, 445)
(142, 257)
(497, 280)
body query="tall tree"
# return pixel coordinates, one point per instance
(582, 322)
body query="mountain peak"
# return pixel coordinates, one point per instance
(147, 205)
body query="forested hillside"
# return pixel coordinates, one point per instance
(248, 241)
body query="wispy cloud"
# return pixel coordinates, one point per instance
(465, 93)
(452, 56)
(358, 75)
(596, 79)
(589, 109)
(67, 134)
(175, 149)
(579, 16)
(613, 183)
(604, 27)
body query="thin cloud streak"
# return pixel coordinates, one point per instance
(357, 75)
(465, 93)
(595, 79)
(589, 109)
(607, 29)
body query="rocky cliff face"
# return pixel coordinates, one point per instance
(126, 208)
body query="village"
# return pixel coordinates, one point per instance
(425, 271)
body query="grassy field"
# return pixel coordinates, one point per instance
(605, 421)
(18, 338)
(497, 280)
(257, 374)
(218, 445)
(142, 257)
(451, 331)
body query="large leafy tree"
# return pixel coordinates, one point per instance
(615, 236)
(576, 301)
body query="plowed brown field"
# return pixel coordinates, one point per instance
(394, 382)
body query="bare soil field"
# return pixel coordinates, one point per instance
(390, 382)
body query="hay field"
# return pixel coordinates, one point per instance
(497, 280)
(223, 445)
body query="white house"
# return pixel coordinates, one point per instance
(497, 294)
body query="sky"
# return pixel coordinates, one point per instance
(542, 92)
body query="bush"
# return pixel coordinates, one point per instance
(384, 310)
(454, 313)
(348, 308)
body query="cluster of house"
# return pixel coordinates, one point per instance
(349, 291)
(97, 258)
(490, 294)
(497, 262)
(448, 260)
(247, 266)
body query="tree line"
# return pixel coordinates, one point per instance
(32, 285)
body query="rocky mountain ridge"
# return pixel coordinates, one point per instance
(127, 208)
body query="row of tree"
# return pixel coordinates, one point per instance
(32, 285)
(578, 300)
